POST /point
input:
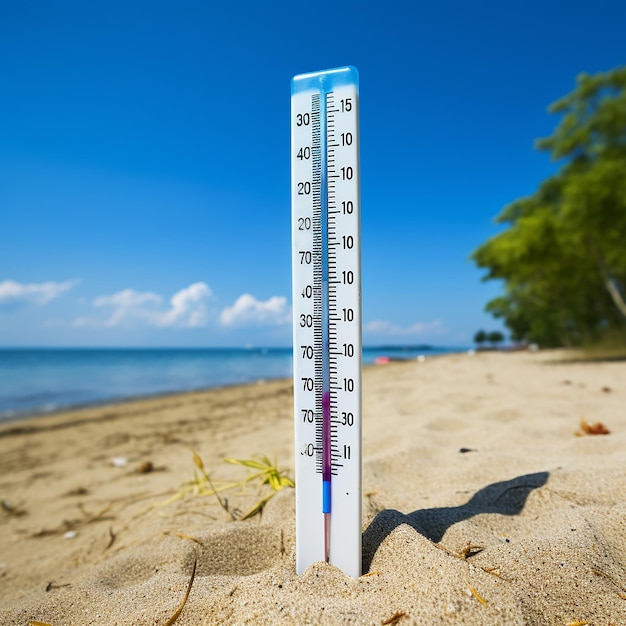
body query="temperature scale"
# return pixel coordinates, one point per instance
(327, 317)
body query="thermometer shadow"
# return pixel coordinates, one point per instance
(505, 498)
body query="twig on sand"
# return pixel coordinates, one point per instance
(112, 537)
(178, 611)
(100, 516)
(51, 585)
(477, 595)
(223, 503)
(599, 572)
(469, 551)
(189, 538)
(395, 618)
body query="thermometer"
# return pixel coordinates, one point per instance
(326, 264)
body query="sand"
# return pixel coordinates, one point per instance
(481, 505)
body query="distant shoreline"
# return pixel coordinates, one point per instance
(8, 423)
(122, 402)
(44, 381)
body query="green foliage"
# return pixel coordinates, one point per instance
(563, 256)
(265, 474)
(495, 337)
(480, 337)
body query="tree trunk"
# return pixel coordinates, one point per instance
(609, 281)
(616, 295)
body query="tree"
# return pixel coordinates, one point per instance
(480, 337)
(495, 337)
(563, 257)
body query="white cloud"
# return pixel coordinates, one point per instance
(435, 327)
(187, 307)
(129, 306)
(248, 310)
(33, 293)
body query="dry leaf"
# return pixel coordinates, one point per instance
(597, 428)
(477, 595)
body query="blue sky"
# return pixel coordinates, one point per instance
(144, 159)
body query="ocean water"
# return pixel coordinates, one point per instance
(36, 381)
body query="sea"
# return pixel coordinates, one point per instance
(36, 381)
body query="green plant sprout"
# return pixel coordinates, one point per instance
(266, 473)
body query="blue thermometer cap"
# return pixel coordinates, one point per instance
(326, 80)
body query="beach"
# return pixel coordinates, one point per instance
(487, 500)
